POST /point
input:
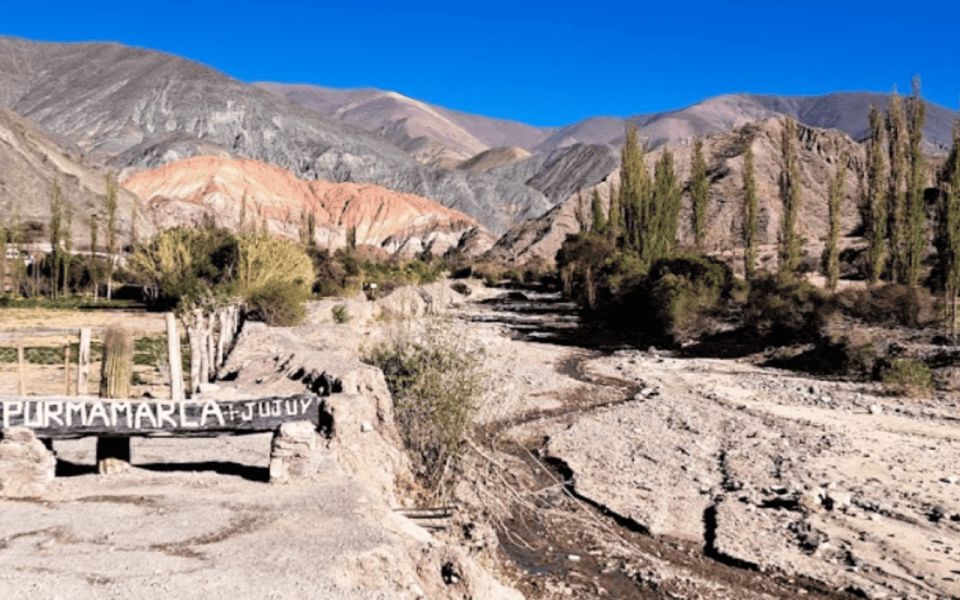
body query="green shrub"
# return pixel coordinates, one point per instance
(349, 271)
(279, 305)
(264, 261)
(907, 377)
(436, 383)
(183, 264)
(786, 312)
(684, 292)
(340, 314)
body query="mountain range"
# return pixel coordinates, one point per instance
(105, 106)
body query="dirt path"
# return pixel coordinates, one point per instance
(716, 478)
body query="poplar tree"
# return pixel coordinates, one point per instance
(243, 214)
(614, 215)
(56, 235)
(599, 218)
(581, 214)
(94, 261)
(16, 237)
(663, 215)
(4, 240)
(749, 215)
(790, 243)
(897, 143)
(111, 231)
(634, 190)
(831, 252)
(916, 225)
(949, 245)
(876, 198)
(699, 194)
(67, 248)
(134, 235)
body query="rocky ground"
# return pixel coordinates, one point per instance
(594, 472)
(718, 478)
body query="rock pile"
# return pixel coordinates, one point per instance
(295, 452)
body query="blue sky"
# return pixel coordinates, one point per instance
(546, 63)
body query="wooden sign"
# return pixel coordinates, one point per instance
(74, 417)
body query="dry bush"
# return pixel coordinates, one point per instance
(892, 305)
(436, 383)
(278, 305)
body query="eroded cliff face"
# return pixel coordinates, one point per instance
(239, 193)
(819, 154)
(31, 162)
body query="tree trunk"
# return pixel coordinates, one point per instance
(193, 321)
(110, 278)
(83, 362)
(175, 359)
(211, 347)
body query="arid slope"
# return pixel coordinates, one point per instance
(243, 193)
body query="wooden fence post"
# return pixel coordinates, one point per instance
(175, 359)
(20, 367)
(66, 369)
(83, 362)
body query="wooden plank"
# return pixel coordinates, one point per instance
(66, 369)
(83, 362)
(21, 375)
(69, 417)
(174, 358)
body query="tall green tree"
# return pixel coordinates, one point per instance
(663, 215)
(916, 238)
(948, 244)
(94, 260)
(599, 224)
(749, 215)
(614, 214)
(67, 248)
(634, 190)
(876, 198)
(17, 239)
(111, 231)
(56, 236)
(699, 194)
(789, 243)
(831, 251)
(897, 144)
(4, 242)
(134, 234)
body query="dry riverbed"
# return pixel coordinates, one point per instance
(718, 478)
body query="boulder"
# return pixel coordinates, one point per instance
(27, 466)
